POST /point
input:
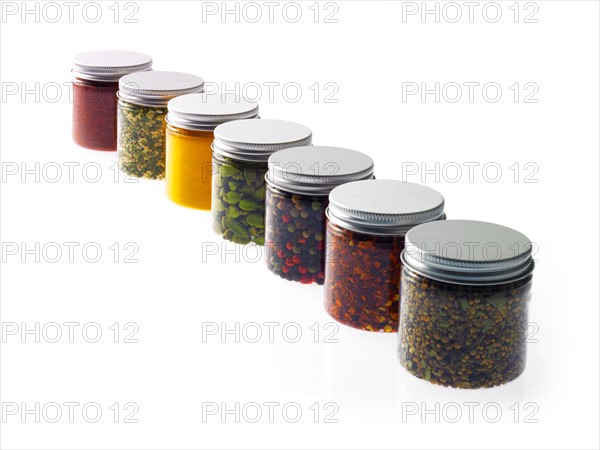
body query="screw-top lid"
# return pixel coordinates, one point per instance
(109, 65)
(205, 112)
(316, 169)
(256, 140)
(468, 252)
(156, 88)
(387, 207)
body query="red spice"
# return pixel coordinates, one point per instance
(95, 114)
(362, 282)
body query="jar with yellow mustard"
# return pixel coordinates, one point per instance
(191, 120)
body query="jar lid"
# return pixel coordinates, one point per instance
(317, 169)
(386, 207)
(109, 65)
(156, 88)
(256, 140)
(468, 252)
(205, 112)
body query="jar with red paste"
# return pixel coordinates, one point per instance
(299, 181)
(95, 84)
(366, 225)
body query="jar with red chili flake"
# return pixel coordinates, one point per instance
(298, 184)
(366, 225)
(95, 84)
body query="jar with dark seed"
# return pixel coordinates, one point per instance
(366, 225)
(241, 149)
(466, 287)
(95, 84)
(141, 127)
(298, 184)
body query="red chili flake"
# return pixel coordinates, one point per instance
(280, 254)
(302, 270)
(289, 262)
(362, 280)
(285, 269)
(296, 259)
(286, 218)
(289, 245)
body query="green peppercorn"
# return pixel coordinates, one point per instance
(240, 186)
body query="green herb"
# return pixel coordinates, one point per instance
(141, 141)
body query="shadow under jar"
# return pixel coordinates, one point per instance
(466, 286)
(241, 150)
(299, 181)
(191, 122)
(366, 225)
(142, 109)
(95, 85)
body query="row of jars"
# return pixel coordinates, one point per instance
(455, 291)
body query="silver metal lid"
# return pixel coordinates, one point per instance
(256, 140)
(205, 112)
(468, 252)
(386, 207)
(109, 65)
(156, 88)
(317, 169)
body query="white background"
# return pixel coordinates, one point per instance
(177, 285)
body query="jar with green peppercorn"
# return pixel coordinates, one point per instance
(466, 286)
(141, 126)
(298, 184)
(241, 149)
(366, 225)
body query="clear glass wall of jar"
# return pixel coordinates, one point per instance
(191, 121)
(142, 109)
(298, 185)
(241, 150)
(466, 287)
(95, 84)
(366, 225)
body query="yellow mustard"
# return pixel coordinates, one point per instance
(189, 167)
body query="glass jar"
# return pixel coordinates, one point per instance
(241, 150)
(191, 122)
(466, 286)
(299, 181)
(95, 85)
(142, 109)
(366, 225)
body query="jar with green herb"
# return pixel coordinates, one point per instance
(141, 126)
(366, 225)
(466, 286)
(241, 149)
(299, 181)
